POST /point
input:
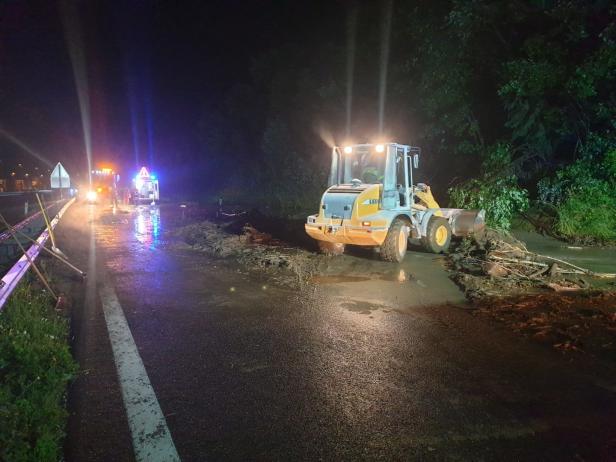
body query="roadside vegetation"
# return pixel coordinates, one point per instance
(512, 102)
(35, 368)
(584, 194)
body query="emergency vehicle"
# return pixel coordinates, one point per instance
(104, 189)
(145, 187)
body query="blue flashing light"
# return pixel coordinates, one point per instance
(152, 176)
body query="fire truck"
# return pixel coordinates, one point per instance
(104, 188)
(145, 187)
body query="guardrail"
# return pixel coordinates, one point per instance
(24, 223)
(16, 206)
(23, 193)
(10, 280)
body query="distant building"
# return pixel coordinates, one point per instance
(23, 175)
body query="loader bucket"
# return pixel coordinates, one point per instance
(467, 222)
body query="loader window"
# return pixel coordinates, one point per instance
(400, 183)
(367, 166)
(410, 171)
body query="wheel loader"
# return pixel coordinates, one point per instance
(372, 200)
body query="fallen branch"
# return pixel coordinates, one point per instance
(538, 273)
(519, 261)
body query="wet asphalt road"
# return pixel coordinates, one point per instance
(368, 361)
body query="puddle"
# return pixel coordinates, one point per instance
(419, 280)
(597, 259)
(400, 275)
(360, 307)
(396, 276)
(338, 279)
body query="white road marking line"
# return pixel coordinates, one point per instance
(152, 440)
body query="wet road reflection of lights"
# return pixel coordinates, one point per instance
(147, 226)
(131, 242)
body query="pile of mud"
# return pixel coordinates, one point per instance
(251, 248)
(496, 264)
(582, 322)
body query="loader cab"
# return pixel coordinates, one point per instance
(390, 165)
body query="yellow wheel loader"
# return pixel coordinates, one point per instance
(372, 201)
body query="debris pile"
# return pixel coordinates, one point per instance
(570, 322)
(550, 300)
(254, 236)
(252, 248)
(496, 263)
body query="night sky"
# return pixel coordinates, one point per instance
(154, 69)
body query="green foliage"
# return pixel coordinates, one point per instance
(441, 74)
(588, 211)
(501, 198)
(584, 193)
(289, 180)
(555, 87)
(35, 367)
(543, 85)
(498, 194)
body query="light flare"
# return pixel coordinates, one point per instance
(24, 146)
(74, 40)
(385, 35)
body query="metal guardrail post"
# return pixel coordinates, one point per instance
(53, 240)
(50, 252)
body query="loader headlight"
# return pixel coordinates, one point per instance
(379, 148)
(348, 149)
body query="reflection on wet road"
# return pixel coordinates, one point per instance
(147, 226)
(420, 280)
(367, 361)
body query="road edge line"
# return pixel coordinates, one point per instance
(150, 434)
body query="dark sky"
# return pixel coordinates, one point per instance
(153, 68)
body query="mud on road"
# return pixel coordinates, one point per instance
(357, 359)
(289, 258)
(572, 312)
(253, 249)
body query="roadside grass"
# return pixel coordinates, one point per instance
(35, 368)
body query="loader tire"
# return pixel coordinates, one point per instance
(395, 244)
(331, 248)
(438, 235)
